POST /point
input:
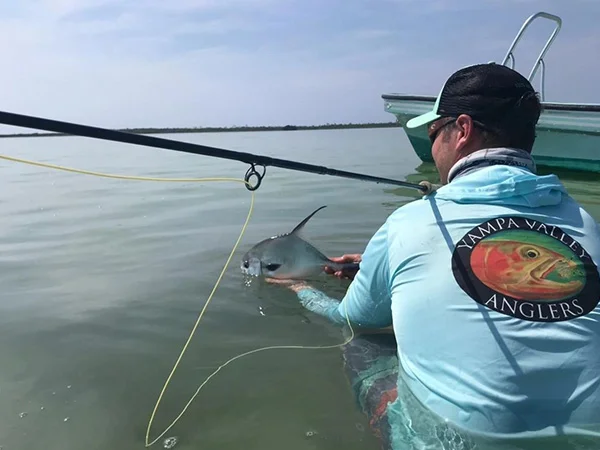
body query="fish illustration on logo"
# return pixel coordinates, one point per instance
(527, 266)
(526, 269)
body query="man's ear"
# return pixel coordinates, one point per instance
(464, 131)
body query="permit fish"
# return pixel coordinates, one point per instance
(289, 256)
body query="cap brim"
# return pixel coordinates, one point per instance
(423, 119)
(428, 117)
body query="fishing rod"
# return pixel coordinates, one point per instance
(69, 128)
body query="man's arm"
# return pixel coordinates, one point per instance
(367, 302)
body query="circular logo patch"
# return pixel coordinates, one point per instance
(526, 269)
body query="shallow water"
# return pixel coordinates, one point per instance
(103, 280)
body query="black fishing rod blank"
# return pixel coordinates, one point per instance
(68, 128)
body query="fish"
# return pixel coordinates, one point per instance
(289, 256)
(526, 270)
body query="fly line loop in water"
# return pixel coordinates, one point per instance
(73, 129)
(252, 188)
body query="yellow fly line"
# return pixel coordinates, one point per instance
(149, 443)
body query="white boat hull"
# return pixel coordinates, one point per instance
(568, 135)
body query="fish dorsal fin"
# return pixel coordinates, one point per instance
(299, 227)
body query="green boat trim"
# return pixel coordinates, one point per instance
(571, 129)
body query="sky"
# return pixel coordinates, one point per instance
(181, 63)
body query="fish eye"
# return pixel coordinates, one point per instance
(246, 264)
(531, 253)
(272, 267)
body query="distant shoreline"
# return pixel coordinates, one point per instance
(329, 126)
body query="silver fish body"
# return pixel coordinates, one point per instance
(288, 256)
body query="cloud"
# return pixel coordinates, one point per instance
(224, 62)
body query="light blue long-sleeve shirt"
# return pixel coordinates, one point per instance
(367, 302)
(492, 286)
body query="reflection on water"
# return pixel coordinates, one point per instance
(583, 186)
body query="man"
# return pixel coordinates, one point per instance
(490, 283)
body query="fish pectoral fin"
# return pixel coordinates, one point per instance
(299, 227)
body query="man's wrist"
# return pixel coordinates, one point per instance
(297, 287)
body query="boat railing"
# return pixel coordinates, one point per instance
(539, 63)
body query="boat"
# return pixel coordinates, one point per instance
(568, 134)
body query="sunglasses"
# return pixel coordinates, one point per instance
(434, 130)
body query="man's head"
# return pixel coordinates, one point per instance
(480, 106)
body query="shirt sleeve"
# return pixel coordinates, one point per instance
(367, 302)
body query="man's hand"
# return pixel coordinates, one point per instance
(294, 285)
(348, 258)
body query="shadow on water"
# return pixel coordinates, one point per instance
(580, 184)
(423, 172)
(583, 186)
(427, 171)
(567, 175)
